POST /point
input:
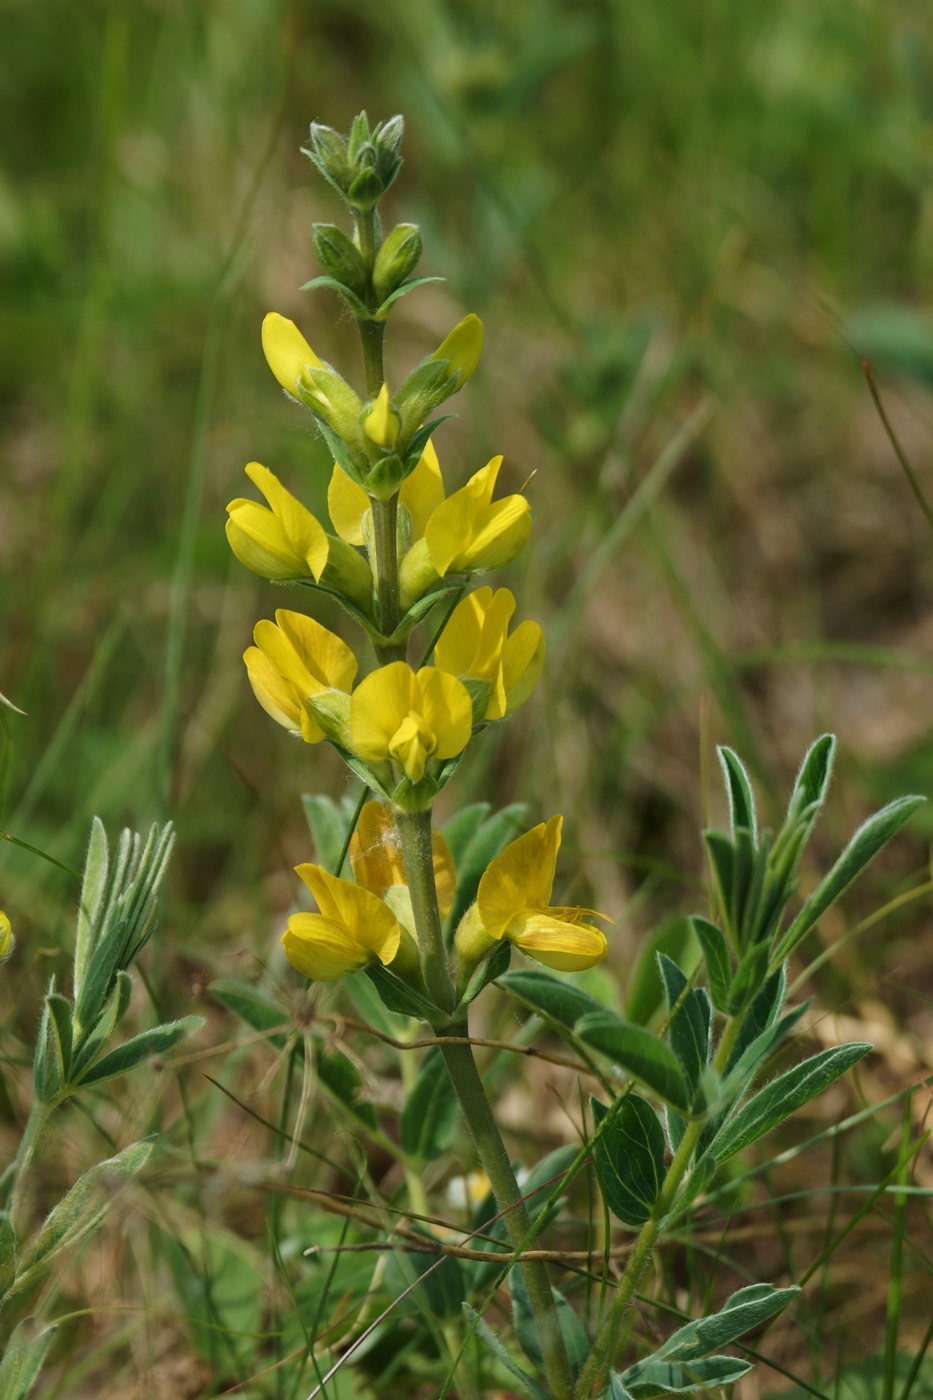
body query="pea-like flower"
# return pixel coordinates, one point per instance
(513, 901)
(378, 865)
(8, 942)
(407, 717)
(353, 928)
(421, 493)
(294, 659)
(381, 424)
(462, 348)
(288, 353)
(475, 645)
(282, 541)
(467, 532)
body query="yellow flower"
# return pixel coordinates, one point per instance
(292, 661)
(409, 718)
(287, 352)
(282, 542)
(421, 493)
(7, 940)
(475, 645)
(352, 928)
(381, 423)
(376, 857)
(462, 348)
(513, 901)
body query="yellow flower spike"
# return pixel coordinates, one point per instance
(421, 493)
(380, 423)
(352, 929)
(462, 348)
(293, 659)
(287, 351)
(408, 717)
(475, 645)
(513, 901)
(469, 531)
(376, 857)
(284, 541)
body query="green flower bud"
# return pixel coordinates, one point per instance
(339, 257)
(396, 259)
(362, 167)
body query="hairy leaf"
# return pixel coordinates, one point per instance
(575, 1339)
(689, 1031)
(739, 788)
(23, 1358)
(398, 996)
(527, 1384)
(718, 962)
(7, 1254)
(650, 1378)
(557, 1001)
(489, 969)
(629, 1159)
(342, 1080)
(254, 1007)
(93, 888)
(739, 1314)
(642, 1054)
(142, 1047)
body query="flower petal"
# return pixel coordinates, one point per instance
(377, 707)
(447, 710)
(462, 348)
(522, 664)
(304, 533)
(287, 351)
(449, 531)
(277, 696)
(500, 532)
(505, 885)
(375, 850)
(366, 921)
(423, 491)
(326, 656)
(259, 541)
(321, 949)
(347, 503)
(459, 642)
(565, 947)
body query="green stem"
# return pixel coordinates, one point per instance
(604, 1345)
(495, 1160)
(27, 1148)
(415, 835)
(385, 517)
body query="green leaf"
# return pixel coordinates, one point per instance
(689, 1031)
(629, 1159)
(340, 451)
(60, 1026)
(488, 841)
(431, 1110)
(7, 1254)
(363, 772)
(864, 846)
(784, 1096)
(254, 1007)
(722, 858)
(645, 991)
(142, 1047)
(459, 831)
(327, 822)
(740, 1313)
(526, 1383)
(718, 962)
(749, 977)
(45, 1078)
(342, 1080)
(575, 1339)
(441, 1289)
(761, 1014)
(82, 1209)
(488, 971)
(650, 1378)
(742, 1070)
(93, 888)
(739, 788)
(359, 308)
(557, 1001)
(420, 438)
(813, 779)
(23, 1358)
(399, 997)
(91, 1044)
(402, 291)
(642, 1054)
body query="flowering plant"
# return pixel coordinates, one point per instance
(431, 919)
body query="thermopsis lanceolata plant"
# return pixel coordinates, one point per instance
(73, 1053)
(432, 919)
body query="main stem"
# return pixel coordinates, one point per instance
(637, 1261)
(415, 835)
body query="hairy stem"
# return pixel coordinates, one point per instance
(27, 1148)
(604, 1345)
(385, 516)
(415, 834)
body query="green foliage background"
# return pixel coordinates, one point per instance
(683, 225)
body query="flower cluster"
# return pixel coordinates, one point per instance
(397, 546)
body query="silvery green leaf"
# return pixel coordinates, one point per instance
(629, 1158)
(689, 1031)
(575, 1339)
(402, 291)
(60, 1027)
(342, 1081)
(870, 838)
(93, 888)
(646, 1058)
(784, 1096)
(23, 1358)
(489, 969)
(7, 1254)
(259, 1011)
(562, 1003)
(651, 1378)
(81, 1210)
(142, 1047)
(739, 1314)
(399, 997)
(718, 961)
(739, 788)
(813, 779)
(328, 826)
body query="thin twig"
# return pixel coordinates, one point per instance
(427, 1044)
(898, 450)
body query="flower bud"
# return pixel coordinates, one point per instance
(381, 424)
(396, 259)
(288, 353)
(339, 257)
(7, 941)
(462, 349)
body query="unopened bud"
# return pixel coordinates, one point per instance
(7, 941)
(380, 423)
(397, 257)
(339, 257)
(462, 349)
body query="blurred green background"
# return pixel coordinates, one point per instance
(684, 225)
